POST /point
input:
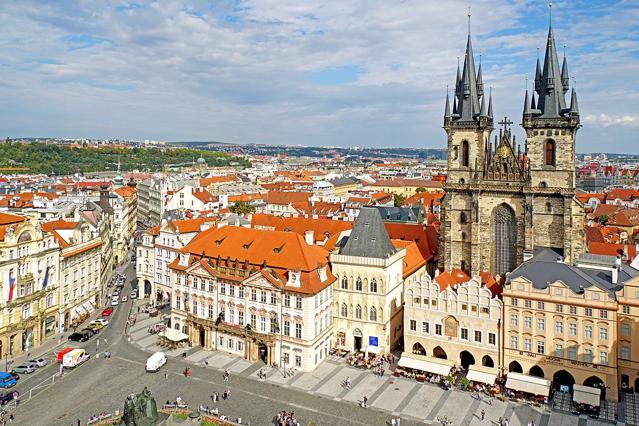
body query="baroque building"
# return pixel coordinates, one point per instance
(503, 202)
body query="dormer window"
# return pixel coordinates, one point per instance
(322, 274)
(294, 279)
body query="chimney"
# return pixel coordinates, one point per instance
(309, 237)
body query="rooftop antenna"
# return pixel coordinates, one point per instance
(469, 20)
(550, 14)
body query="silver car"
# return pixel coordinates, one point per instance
(26, 368)
(39, 362)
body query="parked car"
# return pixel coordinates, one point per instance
(115, 301)
(95, 327)
(124, 299)
(134, 294)
(8, 380)
(107, 312)
(39, 362)
(79, 337)
(15, 375)
(25, 368)
(7, 397)
(89, 331)
(102, 321)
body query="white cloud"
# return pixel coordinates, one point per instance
(605, 120)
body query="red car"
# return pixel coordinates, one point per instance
(107, 312)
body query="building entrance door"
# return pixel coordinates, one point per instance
(202, 337)
(262, 351)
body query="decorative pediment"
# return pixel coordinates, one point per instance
(504, 163)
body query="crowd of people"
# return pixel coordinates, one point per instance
(285, 418)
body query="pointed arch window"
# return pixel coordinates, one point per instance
(463, 218)
(358, 284)
(505, 233)
(358, 312)
(344, 310)
(373, 314)
(465, 154)
(344, 283)
(550, 152)
(373, 286)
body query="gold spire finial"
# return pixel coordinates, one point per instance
(550, 13)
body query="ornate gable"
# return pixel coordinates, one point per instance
(503, 164)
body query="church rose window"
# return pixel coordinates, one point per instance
(505, 239)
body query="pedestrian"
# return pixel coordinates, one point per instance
(399, 421)
(166, 376)
(490, 402)
(105, 341)
(11, 418)
(365, 401)
(393, 422)
(483, 414)
(79, 422)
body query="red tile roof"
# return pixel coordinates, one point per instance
(412, 232)
(413, 259)
(449, 279)
(286, 198)
(322, 228)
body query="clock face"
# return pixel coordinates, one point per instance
(503, 151)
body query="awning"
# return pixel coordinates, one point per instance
(426, 363)
(173, 335)
(481, 374)
(373, 350)
(586, 395)
(529, 384)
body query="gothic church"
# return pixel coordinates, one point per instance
(504, 203)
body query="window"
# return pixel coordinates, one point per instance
(298, 361)
(287, 328)
(344, 310)
(625, 352)
(626, 309)
(232, 290)
(559, 350)
(603, 358)
(253, 321)
(588, 312)
(358, 284)
(528, 322)
(541, 347)
(625, 330)
(548, 207)
(438, 329)
(527, 345)
(514, 342)
(263, 296)
(241, 296)
(240, 316)
(514, 320)
(572, 329)
(513, 301)
(463, 219)
(253, 294)
(298, 302)
(211, 311)
(464, 334)
(588, 331)
(541, 324)
(373, 286)
(527, 304)
(425, 327)
(573, 310)
(231, 341)
(465, 154)
(240, 346)
(540, 305)
(492, 338)
(273, 298)
(178, 302)
(603, 314)
(26, 311)
(298, 331)
(603, 333)
(274, 325)
(559, 327)
(263, 324)
(287, 301)
(550, 152)
(572, 353)
(232, 316)
(373, 314)
(477, 336)
(344, 283)
(484, 310)
(413, 325)
(358, 314)
(222, 288)
(559, 308)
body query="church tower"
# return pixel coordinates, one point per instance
(468, 127)
(551, 127)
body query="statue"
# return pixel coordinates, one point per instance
(140, 410)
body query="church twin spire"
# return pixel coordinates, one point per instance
(469, 101)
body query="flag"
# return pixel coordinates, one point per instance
(12, 284)
(45, 281)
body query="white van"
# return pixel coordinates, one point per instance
(155, 361)
(115, 301)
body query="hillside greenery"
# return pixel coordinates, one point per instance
(63, 160)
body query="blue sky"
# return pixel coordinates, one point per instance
(334, 73)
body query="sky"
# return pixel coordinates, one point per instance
(368, 73)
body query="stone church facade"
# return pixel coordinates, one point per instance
(504, 202)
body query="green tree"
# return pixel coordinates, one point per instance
(603, 219)
(242, 207)
(420, 190)
(398, 200)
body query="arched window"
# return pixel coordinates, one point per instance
(505, 232)
(543, 184)
(462, 181)
(344, 310)
(550, 152)
(373, 286)
(358, 284)
(463, 236)
(373, 314)
(358, 312)
(455, 153)
(462, 218)
(344, 283)
(465, 155)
